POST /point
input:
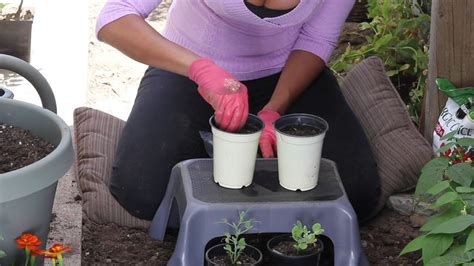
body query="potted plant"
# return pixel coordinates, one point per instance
(234, 154)
(301, 247)
(27, 193)
(235, 251)
(15, 30)
(299, 144)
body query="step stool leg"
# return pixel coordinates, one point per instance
(159, 223)
(343, 230)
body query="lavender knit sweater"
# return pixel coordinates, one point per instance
(236, 39)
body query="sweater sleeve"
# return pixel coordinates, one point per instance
(115, 9)
(319, 35)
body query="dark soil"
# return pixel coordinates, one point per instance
(382, 239)
(19, 148)
(223, 260)
(247, 129)
(287, 248)
(301, 130)
(110, 243)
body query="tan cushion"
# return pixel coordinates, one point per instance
(96, 136)
(399, 149)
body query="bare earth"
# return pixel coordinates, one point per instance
(113, 77)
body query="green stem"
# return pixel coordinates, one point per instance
(466, 205)
(27, 254)
(60, 260)
(33, 261)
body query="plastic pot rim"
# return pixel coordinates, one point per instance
(287, 235)
(260, 259)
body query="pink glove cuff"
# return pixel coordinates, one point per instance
(268, 116)
(205, 73)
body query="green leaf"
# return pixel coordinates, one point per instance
(464, 189)
(438, 187)
(302, 246)
(404, 67)
(436, 164)
(383, 41)
(461, 173)
(450, 135)
(391, 73)
(413, 245)
(441, 261)
(2, 254)
(454, 256)
(466, 142)
(446, 147)
(431, 174)
(435, 245)
(445, 199)
(470, 241)
(440, 218)
(427, 180)
(364, 26)
(454, 225)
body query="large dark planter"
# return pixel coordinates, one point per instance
(218, 250)
(27, 194)
(15, 38)
(279, 259)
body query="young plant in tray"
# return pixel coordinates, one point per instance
(301, 247)
(446, 182)
(235, 243)
(303, 237)
(235, 251)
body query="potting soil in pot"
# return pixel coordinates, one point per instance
(301, 130)
(19, 148)
(287, 248)
(224, 260)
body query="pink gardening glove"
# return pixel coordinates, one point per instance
(268, 137)
(223, 92)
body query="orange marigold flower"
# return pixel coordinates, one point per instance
(56, 250)
(35, 251)
(27, 240)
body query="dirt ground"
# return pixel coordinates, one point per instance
(113, 79)
(382, 239)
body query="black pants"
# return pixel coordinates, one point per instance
(163, 129)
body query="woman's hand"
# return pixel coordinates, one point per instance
(268, 138)
(223, 92)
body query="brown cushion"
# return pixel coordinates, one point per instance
(96, 136)
(399, 149)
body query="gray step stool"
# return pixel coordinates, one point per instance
(197, 203)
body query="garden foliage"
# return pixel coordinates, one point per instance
(399, 35)
(446, 183)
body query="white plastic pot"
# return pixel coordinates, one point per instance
(234, 154)
(299, 157)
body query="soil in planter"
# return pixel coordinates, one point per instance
(301, 130)
(19, 148)
(223, 260)
(247, 129)
(287, 248)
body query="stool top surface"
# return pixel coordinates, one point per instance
(265, 186)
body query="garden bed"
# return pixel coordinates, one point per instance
(382, 238)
